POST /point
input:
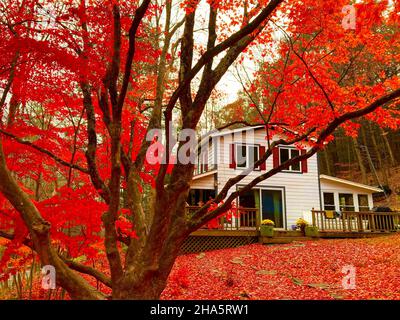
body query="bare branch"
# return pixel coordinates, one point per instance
(228, 43)
(70, 263)
(139, 14)
(89, 271)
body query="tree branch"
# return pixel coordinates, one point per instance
(39, 230)
(47, 152)
(228, 43)
(70, 263)
(139, 14)
(89, 271)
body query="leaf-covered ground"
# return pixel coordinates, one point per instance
(300, 270)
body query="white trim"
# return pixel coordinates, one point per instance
(283, 195)
(351, 183)
(248, 162)
(290, 157)
(355, 204)
(205, 174)
(230, 131)
(284, 216)
(355, 195)
(323, 200)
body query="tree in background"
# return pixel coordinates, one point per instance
(84, 82)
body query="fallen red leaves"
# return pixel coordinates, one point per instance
(300, 270)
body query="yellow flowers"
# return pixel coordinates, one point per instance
(301, 222)
(267, 222)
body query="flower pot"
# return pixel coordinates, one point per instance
(266, 231)
(311, 231)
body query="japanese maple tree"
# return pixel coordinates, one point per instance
(83, 82)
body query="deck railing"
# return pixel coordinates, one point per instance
(350, 221)
(235, 219)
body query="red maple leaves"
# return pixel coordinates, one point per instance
(301, 270)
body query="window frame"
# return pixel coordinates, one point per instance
(201, 164)
(330, 205)
(290, 169)
(347, 206)
(360, 206)
(248, 162)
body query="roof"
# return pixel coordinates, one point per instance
(350, 183)
(217, 133)
(205, 174)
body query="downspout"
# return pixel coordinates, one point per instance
(319, 183)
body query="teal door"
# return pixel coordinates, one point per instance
(272, 206)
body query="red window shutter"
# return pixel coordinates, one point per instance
(232, 162)
(275, 156)
(304, 165)
(262, 153)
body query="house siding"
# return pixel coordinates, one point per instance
(301, 190)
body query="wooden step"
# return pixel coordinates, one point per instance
(282, 240)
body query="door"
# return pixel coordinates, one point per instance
(249, 199)
(272, 206)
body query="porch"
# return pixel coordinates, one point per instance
(249, 219)
(241, 227)
(355, 222)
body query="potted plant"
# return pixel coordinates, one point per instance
(301, 225)
(267, 228)
(311, 231)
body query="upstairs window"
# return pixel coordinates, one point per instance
(243, 156)
(286, 154)
(246, 155)
(202, 163)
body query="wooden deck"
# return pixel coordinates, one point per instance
(242, 227)
(226, 233)
(356, 222)
(247, 220)
(235, 219)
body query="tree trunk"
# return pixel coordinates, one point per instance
(360, 160)
(378, 154)
(388, 146)
(328, 161)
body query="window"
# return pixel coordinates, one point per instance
(246, 155)
(197, 197)
(253, 154)
(363, 204)
(329, 201)
(202, 163)
(346, 202)
(241, 156)
(286, 154)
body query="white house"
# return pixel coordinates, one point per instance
(284, 197)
